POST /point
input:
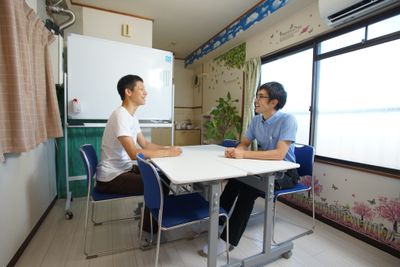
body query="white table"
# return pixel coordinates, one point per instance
(207, 164)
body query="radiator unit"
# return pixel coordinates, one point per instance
(337, 12)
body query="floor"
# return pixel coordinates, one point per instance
(59, 242)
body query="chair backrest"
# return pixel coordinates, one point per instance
(305, 157)
(89, 158)
(230, 143)
(151, 182)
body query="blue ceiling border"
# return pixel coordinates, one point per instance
(243, 23)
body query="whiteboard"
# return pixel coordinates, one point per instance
(95, 66)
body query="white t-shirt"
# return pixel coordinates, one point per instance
(114, 159)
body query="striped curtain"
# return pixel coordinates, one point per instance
(29, 113)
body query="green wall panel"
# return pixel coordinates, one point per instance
(76, 138)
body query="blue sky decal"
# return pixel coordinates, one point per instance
(258, 13)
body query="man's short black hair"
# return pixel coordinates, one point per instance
(276, 91)
(128, 81)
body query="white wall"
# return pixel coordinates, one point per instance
(27, 187)
(299, 27)
(183, 84)
(183, 100)
(108, 25)
(218, 80)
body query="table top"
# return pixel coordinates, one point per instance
(207, 163)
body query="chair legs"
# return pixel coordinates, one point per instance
(307, 232)
(85, 250)
(93, 217)
(141, 228)
(144, 247)
(158, 243)
(90, 207)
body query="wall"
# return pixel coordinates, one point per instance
(217, 77)
(362, 202)
(183, 85)
(108, 25)
(217, 82)
(347, 197)
(183, 93)
(301, 26)
(198, 98)
(27, 188)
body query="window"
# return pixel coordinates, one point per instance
(294, 72)
(386, 26)
(356, 94)
(353, 37)
(358, 106)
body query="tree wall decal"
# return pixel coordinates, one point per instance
(389, 209)
(364, 210)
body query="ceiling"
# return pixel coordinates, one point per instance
(180, 26)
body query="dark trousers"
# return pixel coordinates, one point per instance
(246, 196)
(131, 183)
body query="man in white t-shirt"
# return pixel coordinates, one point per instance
(123, 139)
(117, 171)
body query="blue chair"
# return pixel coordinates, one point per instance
(305, 157)
(230, 143)
(171, 211)
(89, 158)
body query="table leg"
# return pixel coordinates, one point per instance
(269, 252)
(269, 202)
(214, 194)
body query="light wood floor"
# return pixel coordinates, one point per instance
(59, 242)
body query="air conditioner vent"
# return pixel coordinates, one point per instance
(336, 12)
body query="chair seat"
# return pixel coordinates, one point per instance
(181, 209)
(98, 196)
(299, 187)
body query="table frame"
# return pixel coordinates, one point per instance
(244, 170)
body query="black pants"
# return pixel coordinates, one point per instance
(246, 196)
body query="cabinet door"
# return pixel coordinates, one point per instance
(161, 136)
(187, 137)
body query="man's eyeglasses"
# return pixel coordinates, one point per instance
(258, 97)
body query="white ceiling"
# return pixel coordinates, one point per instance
(180, 26)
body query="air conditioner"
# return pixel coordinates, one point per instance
(336, 12)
